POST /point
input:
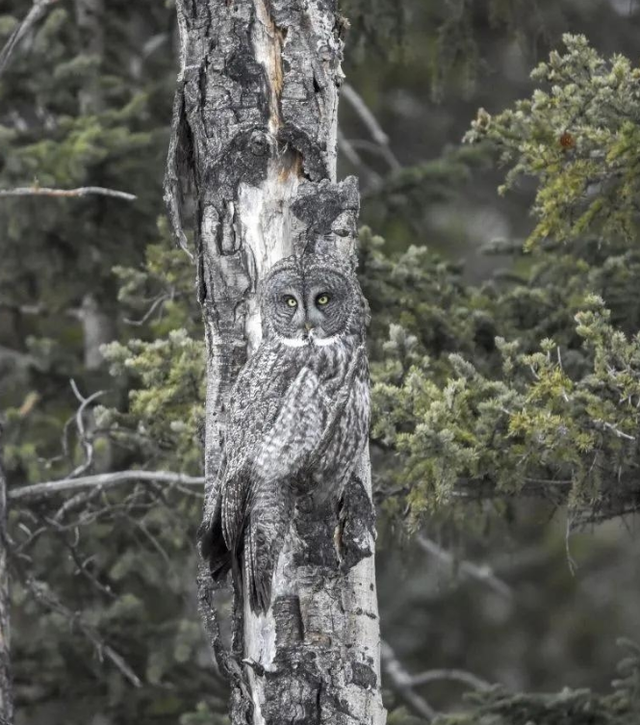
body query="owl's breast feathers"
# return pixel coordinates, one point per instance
(294, 413)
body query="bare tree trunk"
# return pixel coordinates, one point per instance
(255, 128)
(6, 689)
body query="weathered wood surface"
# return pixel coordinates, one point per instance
(253, 156)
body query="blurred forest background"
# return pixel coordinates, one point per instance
(506, 475)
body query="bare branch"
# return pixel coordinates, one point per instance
(37, 11)
(468, 568)
(379, 136)
(83, 569)
(66, 193)
(153, 541)
(402, 683)
(372, 147)
(43, 594)
(160, 300)
(450, 674)
(86, 442)
(102, 481)
(80, 499)
(355, 159)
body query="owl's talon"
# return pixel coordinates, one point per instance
(255, 666)
(298, 414)
(237, 675)
(338, 537)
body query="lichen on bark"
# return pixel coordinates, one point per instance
(254, 149)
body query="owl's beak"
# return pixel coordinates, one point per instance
(308, 326)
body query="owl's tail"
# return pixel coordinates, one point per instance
(259, 563)
(213, 547)
(268, 521)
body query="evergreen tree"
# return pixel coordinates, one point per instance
(522, 386)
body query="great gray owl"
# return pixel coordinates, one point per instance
(298, 416)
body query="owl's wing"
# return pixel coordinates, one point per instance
(295, 432)
(304, 429)
(279, 426)
(282, 457)
(253, 406)
(358, 370)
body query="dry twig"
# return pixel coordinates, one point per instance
(85, 440)
(67, 193)
(402, 684)
(102, 481)
(43, 595)
(467, 568)
(375, 129)
(467, 678)
(37, 11)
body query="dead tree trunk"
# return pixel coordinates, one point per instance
(254, 145)
(6, 689)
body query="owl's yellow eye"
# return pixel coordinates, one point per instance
(322, 300)
(291, 301)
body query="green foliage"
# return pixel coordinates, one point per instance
(528, 382)
(399, 204)
(580, 140)
(536, 426)
(500, 707)
(166, 411)
(102, 587)
(526, 385)
(379, 24)
(166, 373)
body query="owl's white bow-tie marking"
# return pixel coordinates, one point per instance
(298, 417)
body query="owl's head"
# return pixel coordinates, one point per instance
(314, 299)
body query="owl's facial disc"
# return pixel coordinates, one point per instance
(283, 307)
(308, 302)
(328, 301)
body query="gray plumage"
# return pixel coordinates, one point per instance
(298, 416)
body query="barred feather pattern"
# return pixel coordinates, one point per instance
(298, 417)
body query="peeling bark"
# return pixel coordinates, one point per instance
(254, 135)
(6, 689)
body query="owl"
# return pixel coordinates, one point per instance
(297, 420)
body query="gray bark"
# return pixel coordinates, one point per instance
(255, 128)
(6, 689)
